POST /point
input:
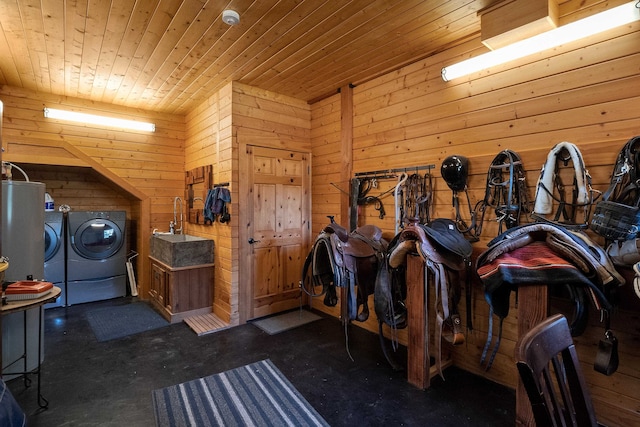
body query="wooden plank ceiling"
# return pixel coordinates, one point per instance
(171, 55)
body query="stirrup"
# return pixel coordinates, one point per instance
(452, 330)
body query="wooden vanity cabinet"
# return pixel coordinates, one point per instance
(179, 292)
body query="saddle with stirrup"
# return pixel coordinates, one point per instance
(340, 259)
(446, 255)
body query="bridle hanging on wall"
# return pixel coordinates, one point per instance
(550, 188)
(505, 192)
(418, 200)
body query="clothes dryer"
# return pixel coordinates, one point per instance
(54, 255)
(96, 256)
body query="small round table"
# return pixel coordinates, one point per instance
(24, 306)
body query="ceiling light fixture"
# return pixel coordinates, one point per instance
(93, 119)
(600, 22)
(230, 17)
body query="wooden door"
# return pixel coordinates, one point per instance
(278, 227)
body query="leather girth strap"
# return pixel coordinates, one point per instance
(448, 322)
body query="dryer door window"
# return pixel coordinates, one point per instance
(98, 239)
(51, 242)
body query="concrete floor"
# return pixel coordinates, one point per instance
(88, 383)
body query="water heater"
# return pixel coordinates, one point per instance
(23, 244)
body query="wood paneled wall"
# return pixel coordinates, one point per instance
(585, 93)
(326, 182)
(99, 168)
(82, 188)
(209, 142)
(218, 132)
(265, 119)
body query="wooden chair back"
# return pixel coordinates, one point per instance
(552, 377)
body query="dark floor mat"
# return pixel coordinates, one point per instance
(109, 323)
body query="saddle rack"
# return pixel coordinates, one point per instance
(419, 368)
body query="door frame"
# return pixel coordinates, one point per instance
(245, 273)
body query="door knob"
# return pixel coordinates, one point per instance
(252, 240)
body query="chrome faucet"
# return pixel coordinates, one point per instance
(174, 223)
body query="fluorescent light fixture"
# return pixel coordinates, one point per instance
(607, 20)
(93, 119)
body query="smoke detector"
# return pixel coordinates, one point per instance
(230, 17)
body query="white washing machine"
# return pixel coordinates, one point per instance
(96, 256)
(54, 255)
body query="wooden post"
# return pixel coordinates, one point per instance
(418, 364)
(346, 155)
(419, 369)
(532, 309)
(346, 151)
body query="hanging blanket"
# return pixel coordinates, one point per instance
(541, 253)
(534, 264)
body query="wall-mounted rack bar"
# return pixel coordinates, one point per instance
(392, 173)
(222, 184)
(377, 175)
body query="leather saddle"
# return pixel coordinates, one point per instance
(350, 260)
(446, 255)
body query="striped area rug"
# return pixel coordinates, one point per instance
(252, 395)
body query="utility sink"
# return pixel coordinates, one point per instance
(181, 250)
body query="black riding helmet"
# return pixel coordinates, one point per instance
(454, 170)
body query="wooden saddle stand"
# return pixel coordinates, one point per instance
(445, 257)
